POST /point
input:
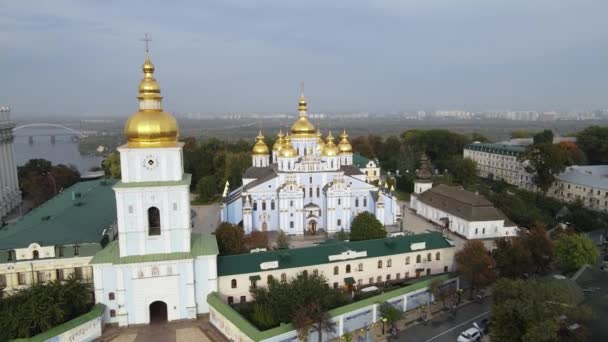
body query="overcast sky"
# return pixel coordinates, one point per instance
(84, 57)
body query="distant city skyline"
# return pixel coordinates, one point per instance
(72, 58)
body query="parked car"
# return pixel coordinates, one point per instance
(470, 335)
(483, 326)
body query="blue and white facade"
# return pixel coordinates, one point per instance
(309, 185)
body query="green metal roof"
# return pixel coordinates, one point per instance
(204, 244)
(316, 255)
(511, 150)
(77, 215)
(186, 179)
(359, 160)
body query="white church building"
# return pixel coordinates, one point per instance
(305, 184)
(156, 269)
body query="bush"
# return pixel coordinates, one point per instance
(365, 226)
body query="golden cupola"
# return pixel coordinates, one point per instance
(278, 145)
(288, 150)
(320, 142)
(331, 150)
(150, 127)
(260, 148)
(344, 146)
(302, 128)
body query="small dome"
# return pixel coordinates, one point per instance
(260, 148)
(331, 150)
(288, 150)
(278, 145)
(344, 146)
(320, 142)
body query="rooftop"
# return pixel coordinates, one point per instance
(497, 148)
(594, 176)
(77, 215)
(461, 203)
(316, 255)
(201, 244)
(360, 161)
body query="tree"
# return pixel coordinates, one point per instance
(593, 141)
(572, 251)
(40, 180)
(529, 311)
(111, 165)
(366, 226)
(540, 246)
(479, 137)
(544, 161)
(342, 235)
(230, 239)
(475, 265)
(441, 291)
(257, 239)
(206, 189)
(512, 258)
(521, 134)
(282, 240)
(544, 137)
(392, 314)
(464, 170)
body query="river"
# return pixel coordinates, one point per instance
(62, 151)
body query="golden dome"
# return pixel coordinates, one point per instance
(320, 142)
(260, 147)
(331, 150)
(288, 150)
(344, 146)
(302, 128)
(278, 145)
(150, 127)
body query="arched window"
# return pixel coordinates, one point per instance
(263, 205)
(339, 222)
(360, 267)
(269, 279)
(291, 224)
(476, 231)
(153, 221)
(429, 257)
(272, 205)
(379, 263)
(310, 179)
(418, 258)
(407, 260)
(255, 205)
(111, 296)
(437, 256)
(318, 192)
(336, 270)
(483, 230)
(58, 251)
(11, 255)
(233, 283)
(310, 192)
(357, 202)
(365, 202)
(112, 313)
(283, 277)
(35, 255)
(389, 263)
(347, 268)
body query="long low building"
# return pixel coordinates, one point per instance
(58, 239)
(346, 265)
(588, 184)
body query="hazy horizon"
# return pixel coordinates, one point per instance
(237, 56)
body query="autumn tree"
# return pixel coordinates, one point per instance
(511, 257)
(230, 239)
(257, 239)
(366, 226)
(537, 242)
(572, 251)
(475, 265)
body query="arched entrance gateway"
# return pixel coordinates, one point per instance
(158, 312)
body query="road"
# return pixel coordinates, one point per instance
(443, 328)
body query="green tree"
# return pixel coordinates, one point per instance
(540, 246)
(464, 170)
(479, 137)
(544, 161)
(574, 250)
(111, 165)
(392, 314)
(282, 240)
(366, 226)
(230, 239)
(342, 235)
(475, 265)
(206, 189)
(544, 137)
(529, 311)
(512, 258)
(593, 141)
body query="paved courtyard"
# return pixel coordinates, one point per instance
(198, 330)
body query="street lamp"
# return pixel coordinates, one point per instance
(383, 319)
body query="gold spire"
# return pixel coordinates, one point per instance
(150, 127)
(302, 128)
(344, 146)
(260, 148)
(320, 142)
(331, 149)
(288, 150)
(278, 145)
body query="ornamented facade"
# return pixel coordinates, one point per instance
(305, 184)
